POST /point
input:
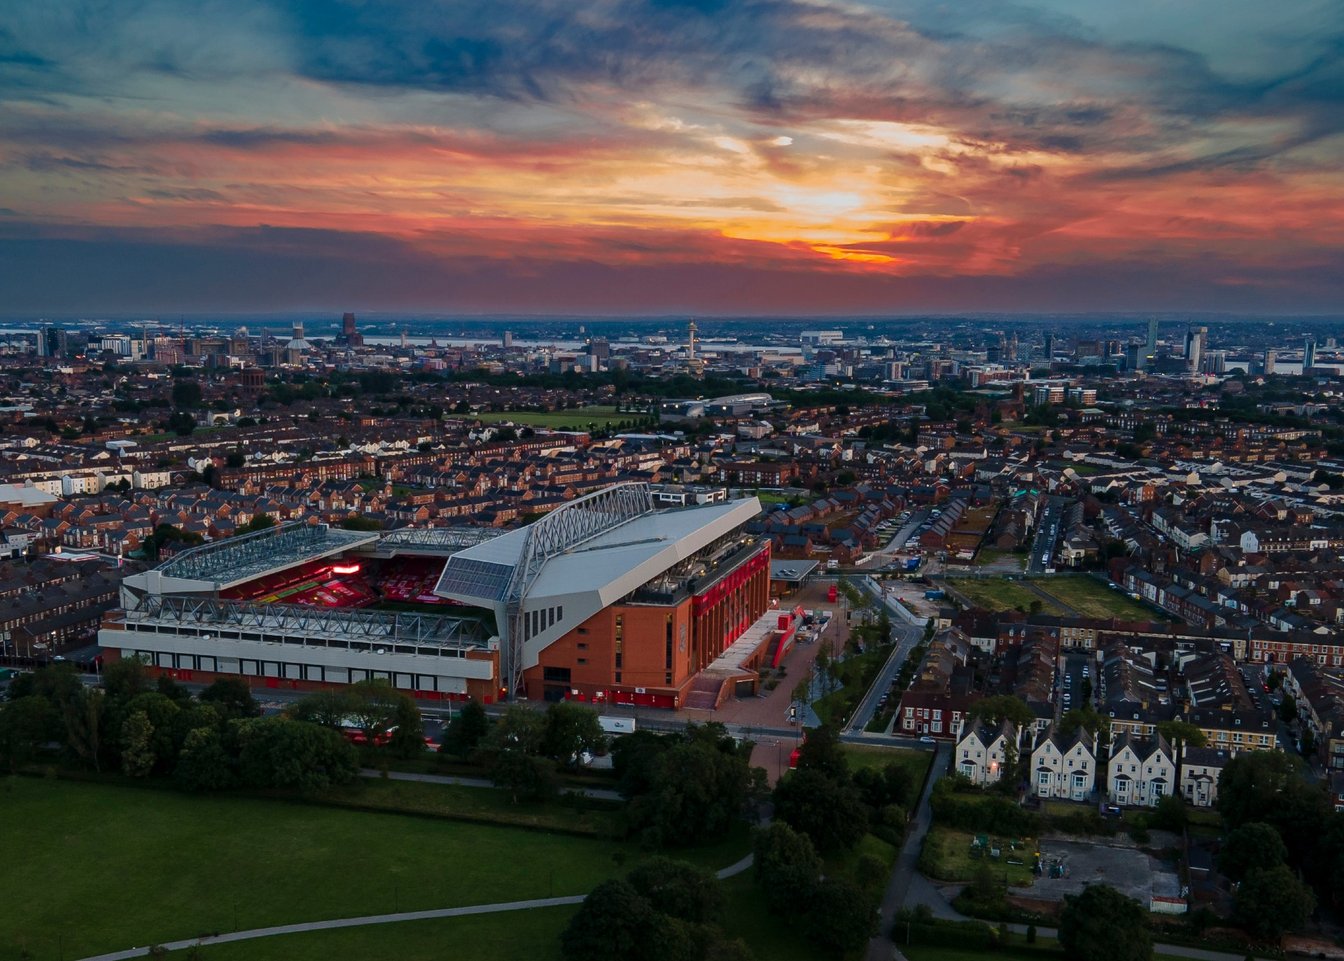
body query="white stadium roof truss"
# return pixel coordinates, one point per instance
(563, 529)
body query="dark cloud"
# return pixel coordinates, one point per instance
(313, 269)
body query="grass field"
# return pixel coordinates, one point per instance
(955, 862)
(533, 934)
(917, 762)
(988, 555)
(1000, 594)
(1018, 950)
(1091, 598)
(95, 868)
(578, 418)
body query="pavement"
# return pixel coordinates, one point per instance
(597, 793)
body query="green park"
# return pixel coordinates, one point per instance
(147, 815)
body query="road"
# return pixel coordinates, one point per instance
(906, 630)
(1047, 536)
(904, 873)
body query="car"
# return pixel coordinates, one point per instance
(927, 740)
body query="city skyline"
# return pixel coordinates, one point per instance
(656, 157)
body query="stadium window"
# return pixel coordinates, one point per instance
(583, 646)
(583, 660)
(560, 612)
(620, 639)
(668, 665)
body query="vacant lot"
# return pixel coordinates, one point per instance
(956, 860)
(96, 867)
(999, 594)
(578, 419)
(1091, 598)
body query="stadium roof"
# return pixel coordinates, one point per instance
(236, 560)
(613, 560)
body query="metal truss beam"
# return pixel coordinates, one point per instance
(391, 627)
(563, 529)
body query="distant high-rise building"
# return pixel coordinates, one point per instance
(1049, 347)
(1268, 364)
(600, 348)
(52, 342)
(1194, 347)
(349, 335)
(507, 340)
(1149, 350)
(1215, 361)
(1309, 354)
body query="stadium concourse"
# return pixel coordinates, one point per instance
(606, 599)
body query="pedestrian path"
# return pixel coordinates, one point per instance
(736, 868)
(597, 793)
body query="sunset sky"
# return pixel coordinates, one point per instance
(652, 156)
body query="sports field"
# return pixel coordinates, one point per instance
(578, 418)
(93, 868)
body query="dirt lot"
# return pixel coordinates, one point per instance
(1123, 867)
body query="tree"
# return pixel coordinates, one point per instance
(879, 788)
(259, 522)
(1171, 814)
(828, 811)
(84, 715)
(678, 889)
(1181, 734)
(1003, 707)
(1255, 846)
(204, 764)
(186, 393)
(525, 776)
(25, 725)
(1288, 709)
(124, 678)
(1254, 785)
(332, 708)
(517, 729)
(1272, 901)
(281, 753)
(634, 758)
(569, 731)
(137, 745)
(182, 423)
(613, 924)
(466, 730)
(821, 751)
(1101, 924)
(696, 792)
(839, 917)
(787, 867)
(232, 698)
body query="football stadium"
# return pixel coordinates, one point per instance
(605, 599)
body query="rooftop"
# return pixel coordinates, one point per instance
(238, 559)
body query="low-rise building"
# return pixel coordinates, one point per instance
(1064, 767)
(1141, 771)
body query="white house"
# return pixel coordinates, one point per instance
(1141, 771)
(1200, 768)
(982, 752)
(1064, 767)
